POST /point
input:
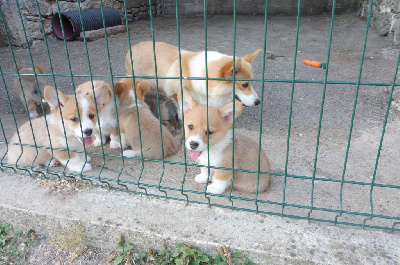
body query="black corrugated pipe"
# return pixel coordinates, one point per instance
(92, 19)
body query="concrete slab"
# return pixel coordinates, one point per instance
(148, 222)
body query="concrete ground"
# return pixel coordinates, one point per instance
(347, 44)
(147, 222)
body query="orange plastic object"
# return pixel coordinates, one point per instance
(313, 63)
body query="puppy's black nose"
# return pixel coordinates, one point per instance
(194, 144)
(257, 102)
(88, 132)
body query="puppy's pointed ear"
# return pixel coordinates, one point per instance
(20, 67)
(39, 69)
(141, 88)
(226, 112)
(227, 70)
(103, 94)
(188, 101)
(50, 95)
(120, 89)
(249, 57)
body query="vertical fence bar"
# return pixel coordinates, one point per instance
(291, 106)
(112, 85)
(137, 108)
(158, 101)
(234, 102)
(354, 109)
(44, 113)
(94, 93)
(328, 57)
(180, 82)
(73, 87)
(206, 64)
(262, 101)
(22, 90)
(381, 141)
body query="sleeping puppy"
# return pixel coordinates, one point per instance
(220, 92)
(149, 136)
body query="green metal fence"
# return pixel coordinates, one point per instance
(116, 178)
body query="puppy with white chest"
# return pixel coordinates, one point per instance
(220, 92)
(107, 113)
(220, 147)
(72, 119)
(30, 88)
(149, 125)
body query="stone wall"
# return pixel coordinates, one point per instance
(385, 18)
(257, 7)
(136, 9)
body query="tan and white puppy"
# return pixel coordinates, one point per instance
(107, 113)
(30, 88)
(149, 125)
(220, 147)
(219, 65)
(71, 138)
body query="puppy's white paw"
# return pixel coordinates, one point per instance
(114, 144)
(217, 187)
(201, 178)
(33, 115)
(78, 168)
(87, 167)
(97, 142)
(88, 158)
(131, 153)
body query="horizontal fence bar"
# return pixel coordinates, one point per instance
(247, 209)
(268, 80)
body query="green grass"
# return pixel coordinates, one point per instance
(14, 244)
(182, 255)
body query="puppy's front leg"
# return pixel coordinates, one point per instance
(114, 137)
(221, 180)
(32, 110)
(202, 177)
(75, 162)
(97, 141)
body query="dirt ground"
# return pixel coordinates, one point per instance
(346, 52)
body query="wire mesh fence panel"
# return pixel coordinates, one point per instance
(142, 112)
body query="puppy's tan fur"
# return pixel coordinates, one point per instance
(149, 125)
(220, 145)
(107, 112)
(73, 135)
(193, 65)
(30, 88)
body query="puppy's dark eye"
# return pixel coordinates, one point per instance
(35, 91)
(176, 117)
(209, 132)
(91, 116)
(190, 127)
(74, 119)
(245, 85)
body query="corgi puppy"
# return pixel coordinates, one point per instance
(30, 88)
(169, 111)
(149, 125)
(220, 147)
(72, 137)
(107, 113)
(219, 65)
